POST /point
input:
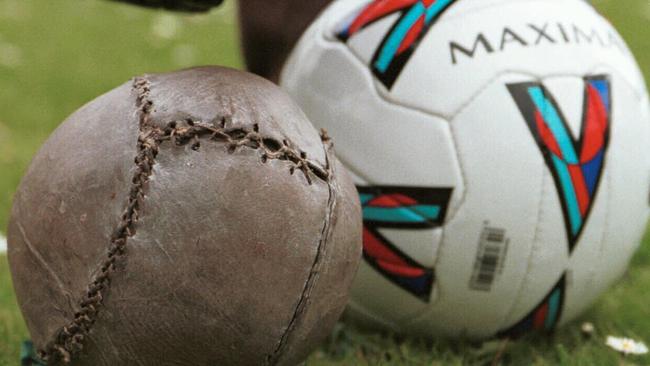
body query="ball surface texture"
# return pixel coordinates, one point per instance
(501, 150)
(188, 218)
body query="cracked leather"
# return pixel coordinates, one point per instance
(232, 260)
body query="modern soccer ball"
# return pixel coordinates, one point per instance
(501, 151)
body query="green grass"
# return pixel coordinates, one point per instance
(56, 55)
(623, 311)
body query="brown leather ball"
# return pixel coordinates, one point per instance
(190, 218)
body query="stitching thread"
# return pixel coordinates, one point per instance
(272, 359)
(67, 342)
(190, 131)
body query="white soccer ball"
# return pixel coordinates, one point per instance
(502, 154)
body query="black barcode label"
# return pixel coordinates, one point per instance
(492, 250)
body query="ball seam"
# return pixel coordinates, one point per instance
(312, 278)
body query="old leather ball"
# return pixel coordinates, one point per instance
(189, 218)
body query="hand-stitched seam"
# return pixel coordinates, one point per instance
(312, 278)
(68, 340)
(190, 131)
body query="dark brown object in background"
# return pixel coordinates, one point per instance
(270, 30)
(178, 5)
(190, 218)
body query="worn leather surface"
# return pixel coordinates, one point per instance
(234, 261)
(270, 30)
